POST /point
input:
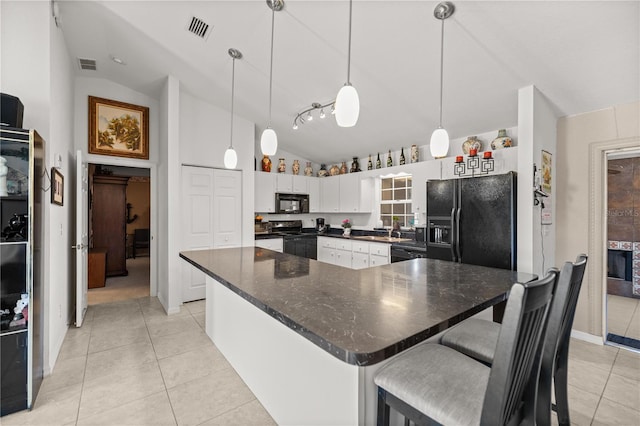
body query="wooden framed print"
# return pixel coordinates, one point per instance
(57, 187)
(118, 128)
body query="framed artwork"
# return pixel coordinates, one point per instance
(118, 128)
(57, 187)
(545, 181)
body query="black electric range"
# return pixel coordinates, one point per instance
(407, 250)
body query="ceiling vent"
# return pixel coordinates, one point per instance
(199, 27)
(87, 64)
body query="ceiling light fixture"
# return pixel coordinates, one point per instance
(118, 60)
(347, 101)
(439, 145)
(269, 139)
(230, 156)
(301, 118)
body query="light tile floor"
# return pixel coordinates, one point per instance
(623, 316)
(131, 364)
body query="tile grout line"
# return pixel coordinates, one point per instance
(84, 373)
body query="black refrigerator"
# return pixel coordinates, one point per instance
(473, 220)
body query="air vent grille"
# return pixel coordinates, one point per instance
(87, 64)
(199, 27)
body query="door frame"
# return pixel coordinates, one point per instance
(153, 200)
(596, 269)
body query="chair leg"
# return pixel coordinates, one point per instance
(560, 385)
(383, 409)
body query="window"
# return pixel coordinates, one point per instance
(395, 201)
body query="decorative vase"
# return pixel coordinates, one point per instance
(346, 232)
(266, 164)
(334, 170)
(4, 170)
(355, 166)
(370, 163)
(296, 167)
(472, 142)
(502, 141)
(389, 160)
(308, 171)
(323, 171)
(343, 168)
(282, 167)
(402, 159)
(415, 154)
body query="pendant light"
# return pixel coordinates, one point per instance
(269, 139)
(347, 102)
(230, 156)
(439, 145)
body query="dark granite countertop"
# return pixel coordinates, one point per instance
(360, 316)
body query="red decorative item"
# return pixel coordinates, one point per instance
(473, 152)
(459, 159)
(487, 155)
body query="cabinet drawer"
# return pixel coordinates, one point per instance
(343, 245)
(359, 247)
(375, 260)
(360, 260)
(379, 249)
(326, 242)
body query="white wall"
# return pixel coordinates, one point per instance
(576, 134)
(536, 132)
(36, 67)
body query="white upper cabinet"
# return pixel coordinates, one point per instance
(265, 188)
(330, 194)
(300, 184)
(284, 183)
(349, 190)
(314, 194)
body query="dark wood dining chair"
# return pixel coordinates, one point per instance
(435, 384)
(141, 240)
(477, 338)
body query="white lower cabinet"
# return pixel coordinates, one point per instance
(274, 244)
(352, 254)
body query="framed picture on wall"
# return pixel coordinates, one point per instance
(57, 187)
(118, 128)
(545, 181)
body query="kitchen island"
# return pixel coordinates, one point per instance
(307, 337)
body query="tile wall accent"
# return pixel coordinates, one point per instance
(635, 248)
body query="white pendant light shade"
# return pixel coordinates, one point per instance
(439, 145)
(269, 142)
(347, 106)
(230, 158)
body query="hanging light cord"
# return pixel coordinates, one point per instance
(233, 85)
(441, 67)
(349, 48)
(273, 14)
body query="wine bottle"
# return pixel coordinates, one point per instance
(402, 161)
(389, 160)
(370, 163)
(378, 162)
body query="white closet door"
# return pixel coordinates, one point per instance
(197, 224)
(227, 207)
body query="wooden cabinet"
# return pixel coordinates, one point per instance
(97, 267)
(108, 219)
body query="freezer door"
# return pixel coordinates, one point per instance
(487, 224)
(440, 197)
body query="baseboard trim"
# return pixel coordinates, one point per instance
(581, 335)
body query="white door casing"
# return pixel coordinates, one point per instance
(82, 237)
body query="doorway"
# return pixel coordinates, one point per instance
(119, 233)
(622, 325)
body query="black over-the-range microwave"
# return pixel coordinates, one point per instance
(292, 203)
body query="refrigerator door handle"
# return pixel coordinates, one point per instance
(458, 254)
(452, 242)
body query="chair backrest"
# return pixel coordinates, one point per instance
(563, 309)
(517, 349)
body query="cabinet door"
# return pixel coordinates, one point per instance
(284, 183)
(265, 188)
(300, 184)
(314, 194)
(326, 250)
(375, 260)
(349, 191)
(360, 260)
(330, 194)
(343, 258)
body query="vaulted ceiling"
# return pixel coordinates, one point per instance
(582, 56)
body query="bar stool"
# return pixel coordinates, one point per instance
(477, 338)
(432, 383)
